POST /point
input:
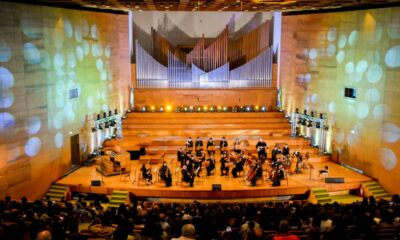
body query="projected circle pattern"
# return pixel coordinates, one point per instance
(390, 133)
(388, 159)
(33, 125)
(392, 57)
(32, 146)
(5, 51)
(7, 121)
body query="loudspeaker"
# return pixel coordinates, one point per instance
(334, 180)
(96, 183)
(216, 187)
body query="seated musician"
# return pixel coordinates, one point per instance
(199, 144)
(146, 173)
(165, 174)
(262, 149)
(274, 153)
(278, 175)
(255, 173)
(181, 156)
(224, 165)
(210, 143)
(211, 164)
(189, 144)
(285, 150)
(236, 145)
(187, 176)
(223, 144)
(198, 162)
(239, 165)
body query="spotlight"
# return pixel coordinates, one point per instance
(219, 108)
(225, 108)
(205, 109)
(248, 109)
(198, 109)
(161, 109)
(185, 108)
(256, 108)
(152, 108)
(263, 109)
(191, 109)
(144, 109)
(168, 108)
(212, 108)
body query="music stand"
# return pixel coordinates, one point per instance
(311, 168)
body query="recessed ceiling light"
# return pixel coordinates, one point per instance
(254, 7)
(136, 6)
(140, 10)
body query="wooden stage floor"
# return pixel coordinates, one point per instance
(232, 188)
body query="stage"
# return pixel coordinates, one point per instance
(231, 188)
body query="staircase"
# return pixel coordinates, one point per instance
(118, 197)
(319, 195)
(57, 192)
(373, 188)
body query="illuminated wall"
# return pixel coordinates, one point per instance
(324, 53)
(45, 55)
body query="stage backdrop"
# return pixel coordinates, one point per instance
(322, 54)
(58, 69)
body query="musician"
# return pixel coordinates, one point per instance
(181, 156)
(211, 164)
(198, 162)
(299, 159)
(255, 173)
(165, 175)
(223, 144)
(236, 146)
(146, 173)
(210, 143)
(189, 164)
(278, 175)
(275, 152)
(239, 165)
(262, 149)
(224, 165)
(187, 176)
(199, 143)
(285, 150)
(189, 142)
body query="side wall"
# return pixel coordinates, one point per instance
(44, 53)
(324, 53)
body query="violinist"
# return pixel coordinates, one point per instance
(239, 164)
(274, 153)
(211, 164)
(165, 174)
(224, 165)
(286, 151)
(223, 144)
(210, 146)
(146, 173)
(262, 149)
(255, 173)
(181, 156)
(236, 146)
(187, 176)
(198, 162)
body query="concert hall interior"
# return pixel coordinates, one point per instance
(160, 102)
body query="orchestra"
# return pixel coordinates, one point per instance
(165, 174)
(192, 162)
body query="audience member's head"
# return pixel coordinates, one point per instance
(188, 231)
(284, 226)
(44, 235)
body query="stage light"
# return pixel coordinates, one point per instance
(225, 108)
(248, 109)
(152, 108)
(191, 109)
(212, 109)
(185, 109)
(263, 109)
(144, 109)
(168, 108)
(205, 108)
(256, 108)
(198, 108)
(161, 109)
(219, 108)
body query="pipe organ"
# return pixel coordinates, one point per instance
(245, 62)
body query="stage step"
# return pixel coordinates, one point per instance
(57, 192)
(118, 197)
(320, 195)
(373, 188)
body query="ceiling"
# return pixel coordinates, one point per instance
(286, 6)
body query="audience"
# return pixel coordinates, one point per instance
(369, 219)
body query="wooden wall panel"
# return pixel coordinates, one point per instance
(228, 97)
